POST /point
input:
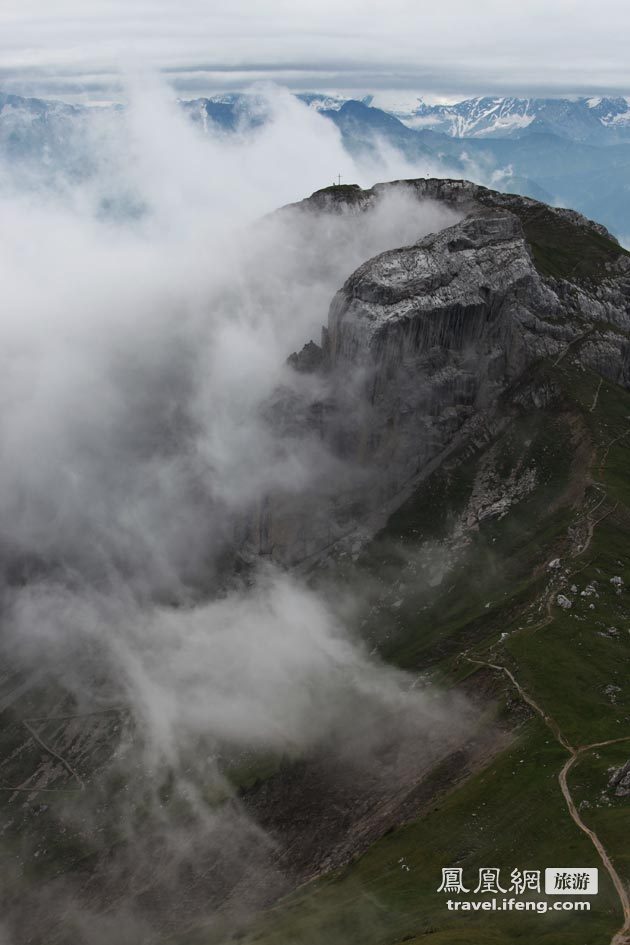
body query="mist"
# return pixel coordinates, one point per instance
(149, 307)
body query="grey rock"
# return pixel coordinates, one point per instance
(619, 782)
(424, 342)
(309, 359)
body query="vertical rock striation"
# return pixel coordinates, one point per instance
(425, 342)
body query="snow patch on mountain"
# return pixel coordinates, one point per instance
(400, 104)
(320, 102)
(583, 119)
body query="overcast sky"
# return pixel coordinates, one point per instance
(450, 48)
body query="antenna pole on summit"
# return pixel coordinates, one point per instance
(339, 180)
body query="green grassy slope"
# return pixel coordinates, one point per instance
(565, 251)
(512, 813)
(456, 576)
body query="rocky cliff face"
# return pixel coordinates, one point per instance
(425, 342)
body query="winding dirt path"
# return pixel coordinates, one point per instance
(547, 601)
(596, 397)
(53, 754)
(622, 936)
(607, 449)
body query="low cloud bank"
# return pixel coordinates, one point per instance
(148, 312)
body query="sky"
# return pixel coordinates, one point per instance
(77, 50)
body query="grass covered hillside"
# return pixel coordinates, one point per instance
(533, 529)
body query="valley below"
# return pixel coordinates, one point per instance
(469, 532)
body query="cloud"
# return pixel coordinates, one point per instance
(455, 49)
(137, 350)
(149, 307)
(271, 667)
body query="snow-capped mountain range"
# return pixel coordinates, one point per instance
(596, 119)
(581, 119)
(570, 152)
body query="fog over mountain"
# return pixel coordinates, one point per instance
(573, 153)
(137, 361)
(314, 497)
(150, 306)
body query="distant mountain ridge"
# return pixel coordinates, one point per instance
(572, 153)
(595, 119)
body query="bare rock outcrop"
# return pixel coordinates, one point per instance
(425, 342)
